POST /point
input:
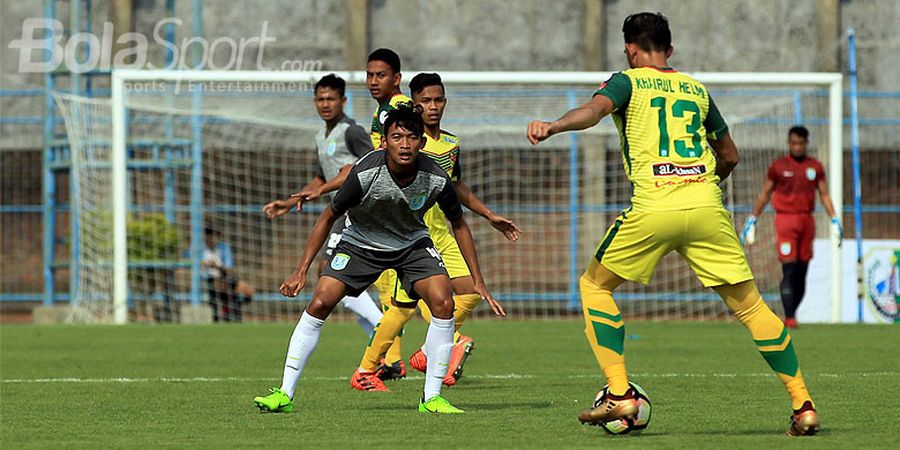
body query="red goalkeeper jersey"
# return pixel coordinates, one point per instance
(795, 184)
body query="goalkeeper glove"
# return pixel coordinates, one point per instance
(837, 229)
(748, 234)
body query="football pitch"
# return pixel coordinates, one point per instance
(191, 386)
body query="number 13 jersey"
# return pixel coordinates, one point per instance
(664, 119)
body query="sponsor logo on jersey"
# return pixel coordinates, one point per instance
(668, 169)
(787, 174)
(810, 173)
(417, 201)
(382, 117)
(331, 148)
(340, 260)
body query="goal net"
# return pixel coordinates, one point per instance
(174, 154)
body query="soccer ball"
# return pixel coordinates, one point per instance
(628, 426)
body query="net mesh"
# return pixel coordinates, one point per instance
(256, 143)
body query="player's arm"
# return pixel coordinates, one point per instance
(278, 208)
(748, 233)
(726, 155)
(612, 95)
(468, 198)
(359, 144)
(329, 186)
(449, 204)
(825, 197)
(720, 140)
(584, 116)
(347, 197)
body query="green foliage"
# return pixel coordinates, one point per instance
(152, 237)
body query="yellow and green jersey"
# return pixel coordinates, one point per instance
(380, 114)
(445, 151)
(664, 119)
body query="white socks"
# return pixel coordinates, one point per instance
(438, 345)
(368, 314)
(303, 342)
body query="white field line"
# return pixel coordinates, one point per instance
(508, 376)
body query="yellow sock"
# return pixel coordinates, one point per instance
(770, 336)
(385, 338)
(605, 331)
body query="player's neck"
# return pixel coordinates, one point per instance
(388, 97)
(651, 59)
(433, 132)
(331, 123)
(403, 176)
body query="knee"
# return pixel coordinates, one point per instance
(441, 306)
(321, 305)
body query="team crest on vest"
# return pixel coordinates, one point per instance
(417, 201)
(331, 148)
(340, 260)
(810, 173)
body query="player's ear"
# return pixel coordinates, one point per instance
(669, 52)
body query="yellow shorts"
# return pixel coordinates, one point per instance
(705, 237)
(453, 260)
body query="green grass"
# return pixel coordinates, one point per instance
(525, 384)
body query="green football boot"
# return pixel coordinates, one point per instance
(439, 405)
(277, 402)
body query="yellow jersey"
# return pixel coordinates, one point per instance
(380, 115)
(445, 151)
(664, 119)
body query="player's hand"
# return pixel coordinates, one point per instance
(509, 229)
(748, 234)
(277, 208)
(538, 131)
(305, 196)
(837, 229)
(482, 290)
(293, 284)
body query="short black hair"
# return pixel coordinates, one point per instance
(650, 31)
(406, 116)
(387, 55)
(210, 231)
(423, 80)
(800, 131)
(332, 81)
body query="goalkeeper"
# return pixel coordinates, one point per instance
(791, 183)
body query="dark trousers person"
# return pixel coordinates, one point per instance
(224, 300)
(794, 238)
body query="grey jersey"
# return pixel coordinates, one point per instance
(387, 217)
(346, 143)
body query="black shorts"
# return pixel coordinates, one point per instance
(358, 268)
(334, 236)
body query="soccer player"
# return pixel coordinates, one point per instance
(386, 196)
(428, 93)
(339, 143)
(383, 80)
(794, 180)
(665, 120)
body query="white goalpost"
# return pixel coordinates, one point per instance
(208, 148)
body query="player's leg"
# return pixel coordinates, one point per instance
(303, 342)
(386, 293)
(715, 254)
(385, 336)
(437, 294)
(787, 241)
(423, 275)
(631, 249)
(805, 254)
(465, 301)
